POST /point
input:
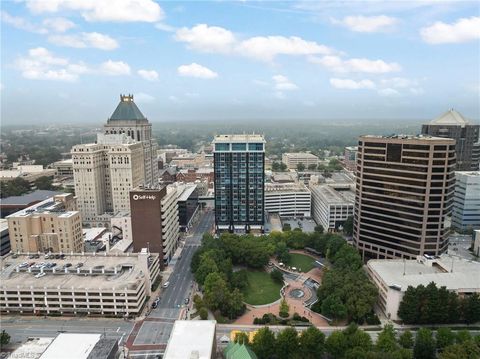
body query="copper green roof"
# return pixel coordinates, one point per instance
(238, 351)
(127, 110)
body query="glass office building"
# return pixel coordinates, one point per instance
(239, 163)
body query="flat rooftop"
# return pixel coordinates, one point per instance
(407, 137)
(333, 196)
(191, 339)
(286, 187)
(99, 271)
(187, 192)
(47, 206)
(301, 154)
(73, 346)
(33, 348)
(239, 138)
(26, 199)
(452, 272)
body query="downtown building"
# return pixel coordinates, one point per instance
(128, 119)
(466, 201)
(404, 191)
(293, 159)
(453, 125)
(239, 168)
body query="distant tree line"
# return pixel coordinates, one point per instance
(432, 305)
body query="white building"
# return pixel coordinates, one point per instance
(192, 339)
(170, 223)
(104, 173)
(393, 276)
(288, 199)
(331, 206)
(86, 283)
(294, 158)
(466, 200)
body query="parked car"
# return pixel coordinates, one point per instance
(40, 275)
(23, 265)
(79, 265)
(67, 265)
(187, 300)
(155, 303)
(166, 284)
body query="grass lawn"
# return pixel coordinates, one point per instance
(261, 288)
(302, 262)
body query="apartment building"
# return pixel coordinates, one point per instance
(128, 119)
(104, 173)
(452, 124)
(293, 159)
(288, 199)
(404, 191)
(52, 225)
(239, 165)
(350, 158)
(88, 284)
(155, 224)
(331, 206)
(466, 200)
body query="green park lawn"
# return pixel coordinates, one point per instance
(302, 262)
(261, 288)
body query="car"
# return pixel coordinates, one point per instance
(36, 256)
(67, 265)
(79, 265)
(40, 275)
(155, 303)
(15, 256)
(23, 265)
(187, 300)
(57, 256)
(47, 256)
(62, 256)
(166, 284)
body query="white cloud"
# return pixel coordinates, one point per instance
(58, 24)
(349, 84)
(260, 82)
(417, 91)
(399, 82)
(21, 23)
(164, 27)
(266, 48)
(174, 99)
(41, 64)
(282, 83)
(367, 23)
(336, 64)
(143, 98)
(463, 30)
(387, 92)
(216, 39)
(206, 38)
(115, 68)
(103, 10)
(149, 75)
(192, 94)
(196, 70)
(84, 40)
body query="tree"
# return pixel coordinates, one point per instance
(319, 228)
(300, 167)
(44, 182)
(15, 187)
(286, 227)
(424, 347)
(234, 306)
(4, 338)
(239, 279)
(264, 343)
(275, 166)
(284, 309)
(386, 341)
(336, 344)
(332, 307)
(463, 336)
(471, 308)
(206, 267)
(408, 308)
(241, 338)
(312, 343)
(216, 291)
(283, 167)
(348, 226)
(467, 350)
(406, 339)
(281, 251)
(444, 338)
(287, 346)
(276, 276)
(203, 312)
(312, 167)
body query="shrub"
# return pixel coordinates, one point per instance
(203, 313)
(276, 276)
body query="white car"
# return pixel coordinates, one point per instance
(166, 284)
(40, 275)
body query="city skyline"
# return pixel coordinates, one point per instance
(182, 61)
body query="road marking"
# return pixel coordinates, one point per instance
(118, 329)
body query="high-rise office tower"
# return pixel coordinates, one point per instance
(466, 201)
(239, 163)
(128, 119)
(404, 192)
(453, 125)
(103, 173)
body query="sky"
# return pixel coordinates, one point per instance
(67, 61)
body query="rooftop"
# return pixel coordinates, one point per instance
(78, 346)
(450, 118)
(300, 154)
(285, 187)
(26, 199)
(187, 191)
(453, 272)
(333, 196)
(32, 348)
(127, 110)
(412, 138)
(48, 206)
(239, 138)
(191, 339)
(99, 271)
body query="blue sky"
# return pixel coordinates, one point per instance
(68, 60)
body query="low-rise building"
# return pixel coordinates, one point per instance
(192, 339)
(14, 204)
(64, 168)
(293, 159)
(466, 200)
(288, 199)
(393, 276)
(331, 206)
(88, 284)
(51, 225)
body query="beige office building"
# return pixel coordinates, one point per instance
(404, 193)
(52, 225)
(104, 173)
(88, 284)
(293, 159)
